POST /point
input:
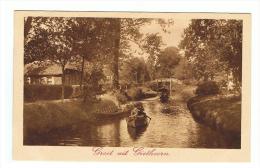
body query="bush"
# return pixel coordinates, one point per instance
(90, 92)
(135, 94)
(207, 88)
(153, 86)
(46, 92)
(121, 97)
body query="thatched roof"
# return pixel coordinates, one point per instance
(46, 68)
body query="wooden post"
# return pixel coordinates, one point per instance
(157, 84)
(170, 87)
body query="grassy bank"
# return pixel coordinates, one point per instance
(220, 112)
(42, 117)
(182, 92)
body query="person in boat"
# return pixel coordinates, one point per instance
(164, 94)
(138, 111)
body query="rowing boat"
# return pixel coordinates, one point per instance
(137, 121)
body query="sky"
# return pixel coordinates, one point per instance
(176, 31)
(169, 39)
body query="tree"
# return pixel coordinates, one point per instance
(228, 46)
(62, 40)
(167, 61)
(65, 40)
(124, 31)
(34, 39)
(183, 71)
(152, 44)
(134, 70)
(50, 40)
(127, 30)
(92, 86)
(27, 26)
(212, 46)
(115, 62)
(92, 40)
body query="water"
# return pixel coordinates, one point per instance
(171, 126)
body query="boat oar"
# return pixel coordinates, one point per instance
(149, 119)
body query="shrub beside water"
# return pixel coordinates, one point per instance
(46, 92)
(121, 97)
(207, 88)
(135, 93)
(42, 117)
(153, 86)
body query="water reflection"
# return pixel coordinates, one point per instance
(171, 126)
(136, 133)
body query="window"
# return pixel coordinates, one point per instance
(49, 81)
(28, 80)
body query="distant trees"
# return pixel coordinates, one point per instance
(138, 70)
(134, 70)
(212, 46)
(152, 45)
(167, 61)
(183, 70)
(126, 31)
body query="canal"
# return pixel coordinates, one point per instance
(171, 127)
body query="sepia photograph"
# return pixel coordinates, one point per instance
(136, 81)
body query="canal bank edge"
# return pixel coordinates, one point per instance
(44, 116)
(220, 112)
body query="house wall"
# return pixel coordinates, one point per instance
(35, 80)
(57, 80)
(71, 78)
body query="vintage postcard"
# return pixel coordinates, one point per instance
(129, 86)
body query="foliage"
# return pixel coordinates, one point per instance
(123, 31)
(167, 61)
(212, 46)
(92, 86)
(50, 39)
(82, 36)
(91, 36)
(153, 86)
(135, 70)
(182, 71)
(207, 88)
(43, 117)
(219, 112)
(135, 93)
(121, 97)
(126, 31)
(64, 40)
(186, 95)
(152, 45)
(46, 92)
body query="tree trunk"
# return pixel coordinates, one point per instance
(82, 73)
(205, 77)
(116, 54)
(27, 26)
(63, 83)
